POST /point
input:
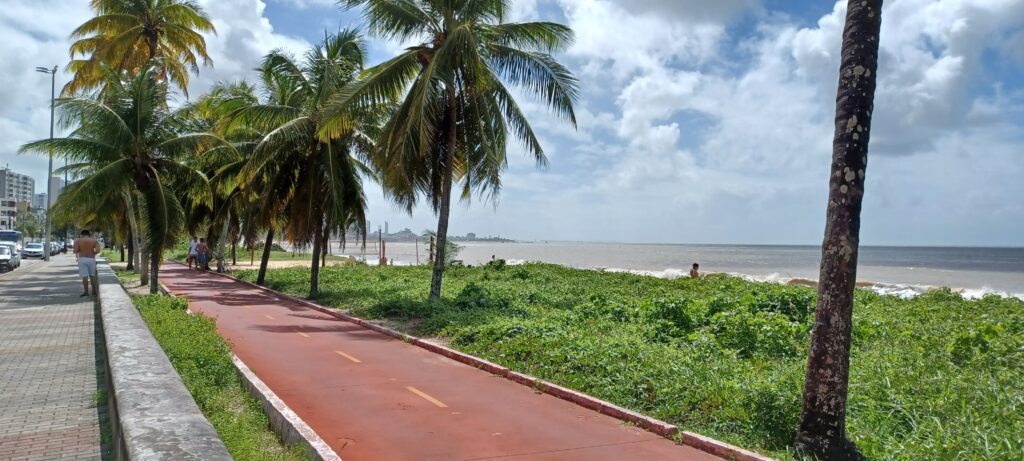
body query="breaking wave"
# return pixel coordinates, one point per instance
(890, 289)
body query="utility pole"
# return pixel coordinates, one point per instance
(49, 169)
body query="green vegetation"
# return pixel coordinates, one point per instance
(935, 377)
(203, 360)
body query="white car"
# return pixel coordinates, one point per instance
(15, 253)
(8, 259)
(34, 250)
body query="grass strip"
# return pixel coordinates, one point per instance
(203, 359)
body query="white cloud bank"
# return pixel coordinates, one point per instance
(700, 121)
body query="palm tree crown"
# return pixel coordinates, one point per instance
(127, 34)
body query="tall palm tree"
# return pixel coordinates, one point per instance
(130, 34)
(311, 163)
(131, 143)
(455, 111)
(822, 430)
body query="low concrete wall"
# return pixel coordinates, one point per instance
(153, 415)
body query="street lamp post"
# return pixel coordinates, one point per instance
(49, 169)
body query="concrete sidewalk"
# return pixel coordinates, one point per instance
(372, 397)
(51, 365)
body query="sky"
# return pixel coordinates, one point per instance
(698, 121)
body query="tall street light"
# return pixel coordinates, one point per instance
(49, 169)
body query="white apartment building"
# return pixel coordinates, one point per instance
(20, 187)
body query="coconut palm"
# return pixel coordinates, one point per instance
(822, 430)
(455, 112)
(313, 167)
(131, 144)
(130, 34)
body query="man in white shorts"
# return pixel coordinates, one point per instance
(86, 250)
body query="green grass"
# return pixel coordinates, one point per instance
(203, 360)
(935, 377)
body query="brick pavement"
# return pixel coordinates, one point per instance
(49, 372)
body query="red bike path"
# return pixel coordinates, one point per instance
(372, 397)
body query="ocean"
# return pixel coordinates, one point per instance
(903, 271)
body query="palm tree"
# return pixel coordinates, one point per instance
(130, 34)
(822, 430)
(455, 111)
(131, 144)
(108, 212)
(304, 159)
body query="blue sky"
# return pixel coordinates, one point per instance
(699, 122)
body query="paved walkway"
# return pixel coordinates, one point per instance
(50, 365)
(372, 397)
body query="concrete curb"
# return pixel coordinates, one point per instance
(722, 449)
(153, 415)
(292, 429)
(288, 425)
(656, 426)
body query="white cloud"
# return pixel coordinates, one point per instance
(760, 158)
(34, 37)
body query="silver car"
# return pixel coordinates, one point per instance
(34, 250)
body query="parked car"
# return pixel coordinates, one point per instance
(34, 250)
(7, 262)
(15, 254)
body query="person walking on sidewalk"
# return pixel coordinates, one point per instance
(86, 250)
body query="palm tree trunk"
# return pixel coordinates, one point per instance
(446, 197)
(265, 259)
(822, 430)
(151, 41)
(155, 259)
(138, 254)
(234, 256)
(131, 251)
(325, 243)
(314, 270)
(222, 242)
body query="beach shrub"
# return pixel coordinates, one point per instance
(749, 333)
(793, 303)
(474, 296)
(672, 317)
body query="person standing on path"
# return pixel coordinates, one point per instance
(192, 255)
(201, 254)
(86, 250)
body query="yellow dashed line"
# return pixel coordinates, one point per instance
(302, 334)
(348, 356)
(426, 397)
(268, 316)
